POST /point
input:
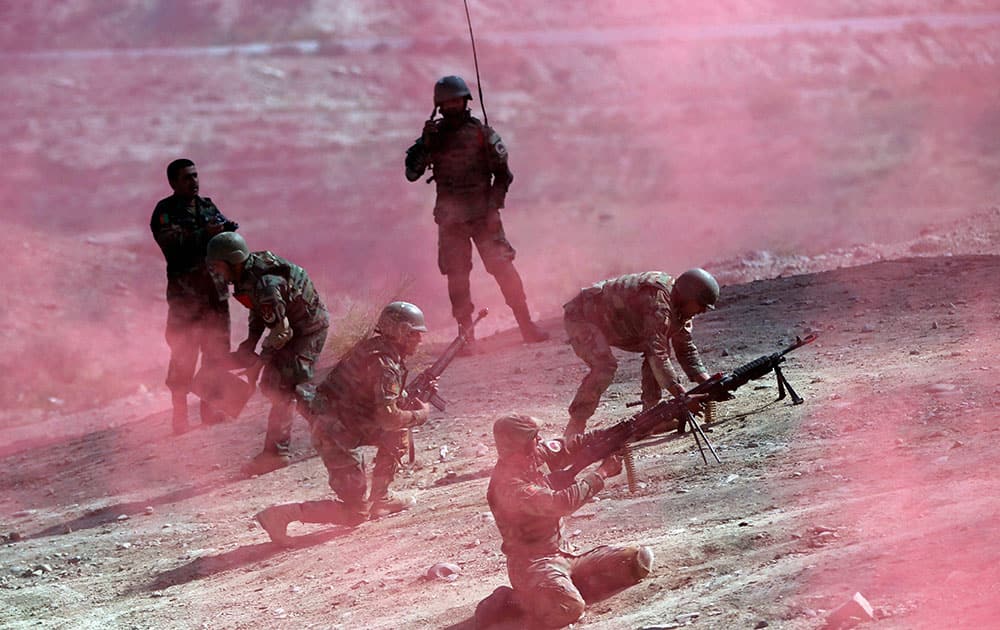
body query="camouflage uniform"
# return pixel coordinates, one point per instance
(359, 403)
(632, 312)
(197, 308)
(551, 582)
(469, 161)
(274, 288)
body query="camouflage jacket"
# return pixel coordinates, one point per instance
(635, 313)
(182, 234)
(274, 288)
(364, 391)
(528, 512)
(470, 167)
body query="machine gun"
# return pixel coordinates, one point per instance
(424, 386)
(719, 387)
(606, 442)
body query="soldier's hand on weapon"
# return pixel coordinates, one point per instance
(215, 226)
(610, 467)
(695, 402)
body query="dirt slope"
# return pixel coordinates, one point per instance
(880, 483)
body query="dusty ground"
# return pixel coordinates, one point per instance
(840, 182)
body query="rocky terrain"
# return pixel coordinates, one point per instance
(833, 163)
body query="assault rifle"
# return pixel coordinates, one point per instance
(606, 442)
(424, 387)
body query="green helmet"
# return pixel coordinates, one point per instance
(398, 319)
(228, 247)
(514, 434)
(450, 87)
(697, 285)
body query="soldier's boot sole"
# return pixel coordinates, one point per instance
(264, 463)
(275, 522)
(392, 505)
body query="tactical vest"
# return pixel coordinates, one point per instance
(460, 157)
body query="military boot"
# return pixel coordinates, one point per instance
(499, 608)
(530, 331)
(389, 503)
(210, 415)
(264, 463)
(180, 412)
(275, 522)
(335, 512)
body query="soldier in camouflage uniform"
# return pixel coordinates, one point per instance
(197, 311)
(282, 298)
(551, 584)
(469, 162)
(644, 312)
(361, 402)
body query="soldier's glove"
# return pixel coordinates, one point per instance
(279, 336)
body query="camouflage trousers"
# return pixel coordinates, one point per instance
(292, 365)
(590, 344)
(195, 326)
(338, 447)
(455, 242)
(555, 590)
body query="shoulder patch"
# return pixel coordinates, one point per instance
(553, 446)
(267, 312)
(500, 148)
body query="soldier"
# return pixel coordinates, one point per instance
(361, 402)
(282, 298)
(469, 162)
(644, 312)
(197, 311)
(551, 585)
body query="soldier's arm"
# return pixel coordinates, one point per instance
(687, 354)
(657, 323)
(541, 500)
(389, 397)
(172, 238)
(502, 175)
(416, 160)
(217, 217)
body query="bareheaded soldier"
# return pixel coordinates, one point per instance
(644, 312)
(361, 402)
(281, 298)
(197, 309)
(551, 584)
(469, 162)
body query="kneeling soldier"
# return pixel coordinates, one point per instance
(361, 402)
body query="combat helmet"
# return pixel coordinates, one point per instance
(398, 319)
(450, 87)
(697, 285)
(227, 247)
(514, 433)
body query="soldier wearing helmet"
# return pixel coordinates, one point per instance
(282, 300)
(646, 313)
(361, 402)
(469, 164)
(551, 584)
(197, 315)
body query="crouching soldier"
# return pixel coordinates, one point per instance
(550, 585)
(361, 402)
(281, 298)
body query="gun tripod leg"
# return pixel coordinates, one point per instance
(783, 384)
(698, 432)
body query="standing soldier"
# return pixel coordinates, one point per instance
(361, 402)
(469, 162)
(551, 584)
(643, 312)
(197, 309)
(282, 298)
